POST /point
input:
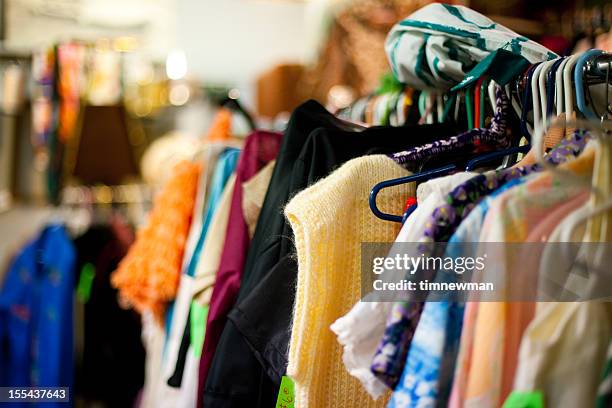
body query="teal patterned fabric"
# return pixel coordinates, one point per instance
(435, 47)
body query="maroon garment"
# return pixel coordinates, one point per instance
(260, 148)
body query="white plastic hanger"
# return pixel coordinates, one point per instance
(559, 97)
(596, 129)
(535, 98)
(568, 86)
(429, 107)
(542, 89)
(491, 92)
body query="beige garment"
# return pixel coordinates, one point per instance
(164, 153)
(599, 227)
(208, 157)
(330, 220)
(208, 263)
(165, 395)
(563, 352)
(564, 348)
(153, 341)
(254, 193)
(360, 331)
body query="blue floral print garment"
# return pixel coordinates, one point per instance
(389, 360)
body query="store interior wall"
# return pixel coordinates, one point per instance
(227, 42)
(36, 23)
(230, 42)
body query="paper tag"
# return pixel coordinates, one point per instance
(525, 399)
(88, 273)
(286, 394)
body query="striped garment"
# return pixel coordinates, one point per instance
(436, 46)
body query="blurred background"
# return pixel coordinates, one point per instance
(98, 96)
(87, 86)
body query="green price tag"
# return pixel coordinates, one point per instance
(286, 393)
(88, 273)
(525, 399)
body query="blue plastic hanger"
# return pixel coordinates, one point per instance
(409, 211)
(487, 157)
(527, 103)
(426, 175)
(579, 83)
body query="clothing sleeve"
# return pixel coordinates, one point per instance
(359, 332)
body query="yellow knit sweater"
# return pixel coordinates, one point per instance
(330, 220)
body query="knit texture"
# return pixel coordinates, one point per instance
(148, 277)
(330, 220)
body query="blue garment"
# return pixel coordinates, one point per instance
(36, 315)
(428, 373)
(469, 230)
(226, 164)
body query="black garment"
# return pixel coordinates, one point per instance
(257, 338)
(113, 361)
(176, 378)
(225, 370)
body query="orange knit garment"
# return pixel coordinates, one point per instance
(147, 278)
(221, 128)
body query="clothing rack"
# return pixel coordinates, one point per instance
(596, 65)
(600, 66)
(105, 195)
(262, 274)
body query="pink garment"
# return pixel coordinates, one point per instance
(544, 228)
(462, 368)
(520, 314)
(492, 333)
(259, 149)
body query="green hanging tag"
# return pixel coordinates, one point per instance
(286, 393)
(88, 273)
(197, 320)
(525, 399)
